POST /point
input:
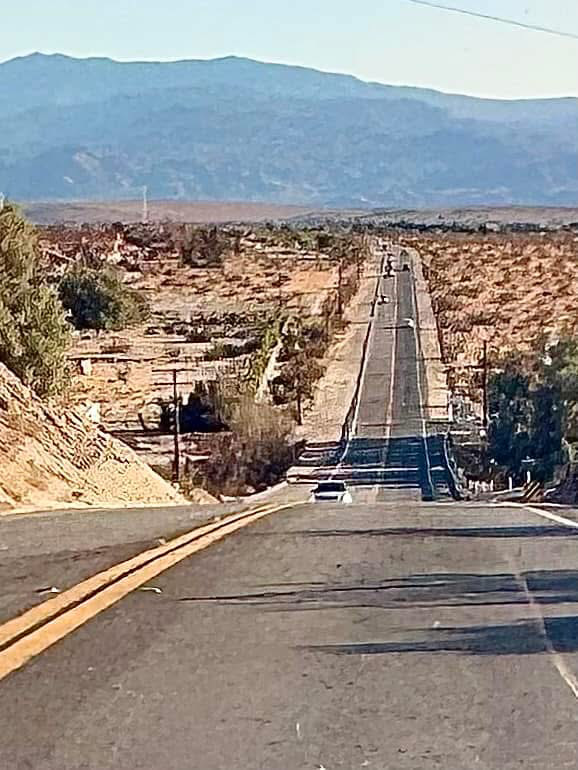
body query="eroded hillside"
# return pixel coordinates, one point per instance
(52, 458)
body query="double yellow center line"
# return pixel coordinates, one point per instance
(31, 633)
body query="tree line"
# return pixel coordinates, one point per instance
(533, 408)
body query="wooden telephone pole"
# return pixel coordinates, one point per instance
(340, 289)
(485, 386)
(176, 430)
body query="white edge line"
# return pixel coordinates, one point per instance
(544, 514)
(419, 387)
(389, 415)
(557, 658)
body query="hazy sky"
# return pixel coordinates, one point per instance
(391, 41)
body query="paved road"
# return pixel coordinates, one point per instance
(381, 636)
(387, 634)
(58, 550)
(390, 444)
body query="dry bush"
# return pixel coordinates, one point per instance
(254, 455)
(202, 246)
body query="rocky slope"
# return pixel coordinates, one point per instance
(53, 458)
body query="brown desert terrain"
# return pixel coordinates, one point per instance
(513, 291)
(88, 212)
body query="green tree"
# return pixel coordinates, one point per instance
(34, 334)
(98, 299)
(560, 364)
(530, 413)
(511, 417)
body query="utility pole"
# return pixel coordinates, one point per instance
(145, 205)
(340, 289)
(299, 404)
(485, 385)
(176, 431)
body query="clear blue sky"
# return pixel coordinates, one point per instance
(391, 41)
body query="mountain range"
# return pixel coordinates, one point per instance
(237, 129)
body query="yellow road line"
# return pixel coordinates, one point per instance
(39, 628)
(43, 612)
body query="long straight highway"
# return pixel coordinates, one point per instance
(393, 633)
(388, 445)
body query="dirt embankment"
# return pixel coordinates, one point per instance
(52, 458)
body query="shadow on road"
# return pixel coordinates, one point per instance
(525, 637)
(416, 591)
(499, 532)
(403, 461)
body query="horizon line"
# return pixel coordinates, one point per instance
(180, 60)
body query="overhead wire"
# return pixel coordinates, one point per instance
(500, 19)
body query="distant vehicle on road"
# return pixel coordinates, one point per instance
(331, 492)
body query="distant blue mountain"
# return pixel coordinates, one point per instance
(237, 129)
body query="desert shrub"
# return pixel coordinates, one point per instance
(254, 454)
(202, 246)
(296, 381)
(303, 347)
(98, 299)
(222, 350)
(199, 413)
(34, 334)
(268, 338)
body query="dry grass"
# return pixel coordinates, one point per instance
(254, 455)
(514, 291)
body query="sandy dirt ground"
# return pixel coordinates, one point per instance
(159, 211)
(325, 415)
(513, 291)
(53, 458)
(126, 373)
(436, 391)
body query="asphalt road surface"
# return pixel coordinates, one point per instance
(391, 633)
(390, 444)
(381, 636)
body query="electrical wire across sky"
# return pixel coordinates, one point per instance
(511, 22)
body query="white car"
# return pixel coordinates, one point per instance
(331, 492)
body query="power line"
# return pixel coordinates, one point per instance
(502, 20)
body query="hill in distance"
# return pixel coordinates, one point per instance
(239, 130)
